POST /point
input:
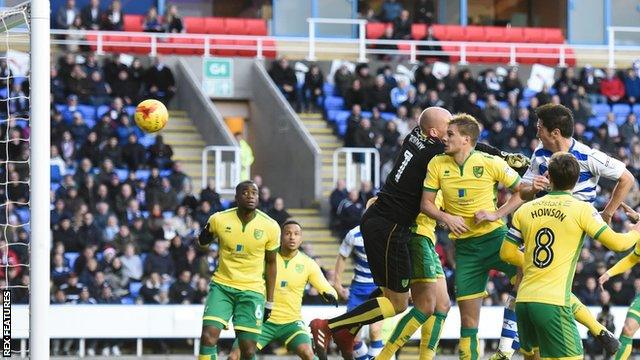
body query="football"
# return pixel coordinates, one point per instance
(151, 115)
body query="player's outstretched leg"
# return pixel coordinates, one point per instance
(586, 318)
(509, 335)
(631, 325)
(432, 329)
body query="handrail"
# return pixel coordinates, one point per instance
(220, 169)
(611, 41)
(362, 57)
(351, 167)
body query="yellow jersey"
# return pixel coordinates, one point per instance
(470, 187)
(293, 275)
(552, 229)
(425, 225)
(242, 248)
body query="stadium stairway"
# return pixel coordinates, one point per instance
(324, 244)
(187, 144)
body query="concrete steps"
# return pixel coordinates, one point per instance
(187, 145)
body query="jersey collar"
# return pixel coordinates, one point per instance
(559, 192)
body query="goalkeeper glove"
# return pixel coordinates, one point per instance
(268, 306)
(329, 299)
(205, 236)
(518, 162)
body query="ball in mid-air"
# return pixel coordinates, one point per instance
(151, 115)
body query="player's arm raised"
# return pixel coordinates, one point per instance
(620, 192)
(593, 224)
(603, 165)
(623, 265)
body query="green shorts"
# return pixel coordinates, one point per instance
(425, 262)
(634, 309)
(551, 329)
(291, 335)
(224, 302)
(474, 258)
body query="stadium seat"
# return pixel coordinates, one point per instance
(54, 186)
(92, 39)
(498, 54)
(131, 110)
(620, 119)
(334, 102)
(133, 22)
(481, 104)
(183, 41)
(528, 93)
(526, 55)
(23, 213)
(143, 174)
(472, 54)
(256, 27)
(453, 52)
(331, 115)
(214, 25)
(533, 35)
(621, 109)
(246, 48)
(87, 111)
(440, 32)
(119, 43)
(56, 174)
(376, 30)
(475, 33)
(127, 300)
(165, 46)
(342, 116)
(223, 47)
(134, 288)
(588, 135)
(194, 25)
(235, 26)
(226, 203)
(548, 56)
(553, 35)
(418, 31)
(143, 256)
(514, 34)
(102, 109)
(601, 109)
(165, 173)
(71, 258)
(455, 33)
(140, 44)
(269, 49)
(636, 109)
(122, 174)
(328, 88)
(387, 116)
(495, 34)
(167, 214)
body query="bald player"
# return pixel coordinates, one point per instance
(386, 231)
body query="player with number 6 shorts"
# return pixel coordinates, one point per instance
(552, 230)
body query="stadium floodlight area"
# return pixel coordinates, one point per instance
(24, 46)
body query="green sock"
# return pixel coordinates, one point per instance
(208, 352)
(403, 331)
(469, 348)
(626, 346)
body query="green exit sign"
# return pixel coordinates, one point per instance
(218, 68)
(217, 77)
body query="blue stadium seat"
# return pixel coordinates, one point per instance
(127, 301)
(503, 104)
(588, 135)
(331, 115)
(165, 173)
(134, 288)
(342, 129)
(481, 104)
(59, 107)
(143, 175)
(601, 109)
(99, 256)
(55, 186)
(595, 121)
(23, 214)
(167, 214)
(91, 123)
(122, 174)
(3, 93)
(145, 214)
(636, 109)
(528, 93)
(328, 89)
(620, 119)
(87, 111)
(334, 102)
(621, 109)
(143, 257)
(19, 80)
(388, 116)
(71, 258)
(56, 174)
(342, 116)
(367, 114)
(523, 103)
(147, 140)
(101, 110)
(226, 203)
(131, 110)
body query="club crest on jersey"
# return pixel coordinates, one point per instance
(478, 171)
(405, 282)
(299, 268)
(258, 234)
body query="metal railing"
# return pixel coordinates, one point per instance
(361, 164)
(226, 168)
(362, 49)
(611, 43)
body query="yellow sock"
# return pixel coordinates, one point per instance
(401, 334)
(626, 345)
(469, 346)
(430, 335)
(368, 312)
(584, 316)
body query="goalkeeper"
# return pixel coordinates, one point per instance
(295, 270)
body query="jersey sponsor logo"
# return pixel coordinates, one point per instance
(478, 171)
(283, 283)
(257, 233)
(299, 268)
(462, 192)
(239, 247)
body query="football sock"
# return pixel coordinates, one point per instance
(469, 346)
(584, 316)
(208, 352)
(403, 331)
(626, 346)
(360, 351)
(509, 336)
(375, 347)
(368, 312)
(430, 335)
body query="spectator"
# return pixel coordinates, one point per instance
(581, 113)
(113, 19)
(424, 12)
(349, 212)
(202, 289)
(67, 235)
(113, 152)
(107, 297)
(285, 79)
(389, 44)
(122, 87)
(173, 21)
(159, 81)
(337, 195)
(544, 97)
(491, 111)
(632, 86)
(391, 9)
(400, 93)
(131, 263)
(591, 84)
(79, 130)
(612, 87)
(152, 22)
(167, 197)
(150, 291)
(59, 270)
(100, 90)
(66, 14)
(568, 78)
(266, 201)
(56, 160)
(208, 263)
(313, 89)
(355, 95)
(181, 291)
(343, 79)
(612, 127)
(366, 78)
(379, 95)
(210, 196)
(246, 156)
(630, 130)
(512, 83)
(72, 288)
(278, 212)
(364, 135)
(90, 149)
(402, 26)
(133, 153)
(160, 154)
(91, 15)
(159, 261)
(90, 232)
(590, 294)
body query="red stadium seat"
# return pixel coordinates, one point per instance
(198, 46)
(548, 56)
(269, 49)
(92, 39)
(533, 35)
(514, 34)
(214, 25)
(376, 30)
(418, 31)
(439, 31)
(165, 46)
(453, 52)
(246, 48)
(471, 53)
(223, 47)
(234, 26)
(123, 45)
(182, 41)
(194, 25)
(526, 55)
(570, 57)
(495, 34)
(256, 27)
(133, 23)
(553, 36)
(142, 44)
(500, 55)
(474, 33)
(455, 33)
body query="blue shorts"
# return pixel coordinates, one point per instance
(359, 293)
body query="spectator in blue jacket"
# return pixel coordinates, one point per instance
(632, 86)
(400, 93)
(391, 9)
